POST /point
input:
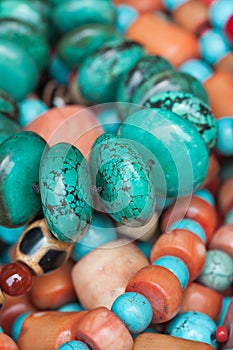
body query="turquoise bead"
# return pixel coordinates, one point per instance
(8, 106)
(66, 192)
(171, 5)
(80, 43)
(73, 14)
(134, 310)
(72, 307)
(11, 235)
(201, 70)
(217, 273)
(206, 196)
(190, 225)
(109, 120)
(18, 71)
(225, 136)
(58, 70)
(125, 16)
(219, 13)
(7, 128)
(145, 248)
(176, 266)
(74, 345)
(101, 73)
(123, 179)
(101, 231)
(175, 150)
(30, 109)
(193, 326)
(1, 330)
(18, 324)
(20, 158)
(190, 108)
(225, 304)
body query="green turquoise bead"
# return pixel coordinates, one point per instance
(123, 180)
(82, 42)
(72, 14)
(65, 187)
(8, 106)
(20, 158)
(179, 154)
(190, 108)
(101, 73)
(169, 81)
(7, 128)
(28, 38)
(18, 71)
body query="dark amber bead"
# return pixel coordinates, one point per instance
(15, 279)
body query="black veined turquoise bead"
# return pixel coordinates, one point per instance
(123, 180)
(65, 187)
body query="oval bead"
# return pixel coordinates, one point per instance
(20, 158)
(65, 192)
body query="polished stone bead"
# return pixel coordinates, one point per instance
(8, 106)
(190, 225)
(225, 139)
(65, 187)
(74, 345)
(20, 158)
(7, 128)
(30, 109)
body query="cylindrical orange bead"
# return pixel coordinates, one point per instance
(54, 327)
(142, 6)
(53, 290)
(184, 245)
(160, 37)
(225, 196)
(101, 329)
(6, 343)
(161, 287)
(149, 341)
(202, 299)
(223, 239)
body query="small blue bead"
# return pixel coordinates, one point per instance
(213, 46)
(190, 225)
(30, 109)
(125, 16)
(59, 71)
(145, 248)
(206, 196)
(17, 325)
(176, 266)
(101, 231)
(225, 304)
(10, 235)
(229, 217)
(71, 307)
(219, 12)
(73, 345)
(134, 310)
(1, 330)
(193, 326)
(173, 4)
(109, 120)
(198, 69)
(225, 136)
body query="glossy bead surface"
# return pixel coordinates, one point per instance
(134, 310)
(218, 270)
(65, 192)
(21, 155)
(189, 225)
(225, 136)
(73, 345)
(15, 279)
(190, 108)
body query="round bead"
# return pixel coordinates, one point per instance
(189, 225)
(198, 69)
(221, 334)
(134, 310)
(65, 192)
(125, 16)
(73, 345)
(17, 325)
(20, 158)
(225, 136)
(30, 109)
(176, 266)
(218, 270)
(15, 279)
(219, 12)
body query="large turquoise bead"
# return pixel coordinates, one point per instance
(123, 180)
(8, 106)
(82, 42)
(18, 71)
(190, 108)
(179, 154)
(20, 158)
(72, 14)
(65, 187)
(101, 73)
(7, 128)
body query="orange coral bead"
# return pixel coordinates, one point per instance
(6, 343)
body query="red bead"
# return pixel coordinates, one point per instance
(229, 29)
(221, 334)
(15, 279)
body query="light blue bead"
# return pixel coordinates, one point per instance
(73, 345)
(198, 69)
(193, 326)
(206, 196)
(190, 225)
(71, 307)
(225, 136)
(101, 231)
(17, 325)
(217, 273)
(59, 71)
(134, 310)
(145, 248)
(125, 16)
(219, 12)
(225, 304)
(229, 217)
(173, 4)
(176, 266)
(109, 120)
(30, 109)
(10, 235)
(213, 46)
